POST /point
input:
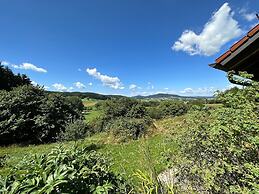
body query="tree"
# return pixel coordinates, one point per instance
(8, 79)
(29, 115)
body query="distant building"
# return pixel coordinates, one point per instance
(242, 56)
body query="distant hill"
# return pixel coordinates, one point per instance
(91, 95)
(98, 96)
(171, 96)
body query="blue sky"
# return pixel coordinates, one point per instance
(127, 47)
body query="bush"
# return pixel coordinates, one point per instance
(125, 118)
(155, 113)
(19, 109)
(128, 128)
(221, 145)
(74, 131)
(29, 115)
(173, 108)
(72, 170)
(168, 108)
(98, 124)
(124, 107)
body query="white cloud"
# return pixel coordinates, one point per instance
(133, 86)
(206, 91)
(46, 87)
(34, 83)
(113, 82)
(5, 63)
(249, 16)
(220, 29)
(60, 87)
(29, 66)
(90, 83)
(79, 85)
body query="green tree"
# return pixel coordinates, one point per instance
(8, 79)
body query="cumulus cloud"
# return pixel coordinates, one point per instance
(220, 29)
(206, 91)
(29, 66)
(60, 87)
(90, 83)
(113, 82)
(79, 85)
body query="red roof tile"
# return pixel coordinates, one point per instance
(253, 31)
(222, 57)
(239, 43)
(234, 47)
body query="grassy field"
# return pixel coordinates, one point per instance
(89, 102)
(143, 154)
(127, 158)
(92, 115)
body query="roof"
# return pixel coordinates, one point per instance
(242, 56)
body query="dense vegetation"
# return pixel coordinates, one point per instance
(168, 108)
(8, 79)
(74, 170)
(29, 115)
(212, 148)
(124, 118)
(220, 147)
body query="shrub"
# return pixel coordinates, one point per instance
(129, 128)
(124, 107)
(168, 108)
(125, 118)
(155, 113)
(75, 103)
(72, 170)
(75, 130)
(98, 124)
(221, 145)
(173, 108)
(19, 109)
(29, 115)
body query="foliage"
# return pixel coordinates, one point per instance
(3, 160)
(8, 79)
(74, 170)
(29, 115)
(126, 118)
(75, 103)
(168, 108)
(75, 130)
(124, 107)
(127, 158)
(129, 128)
(221, 145)
(152, 185)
